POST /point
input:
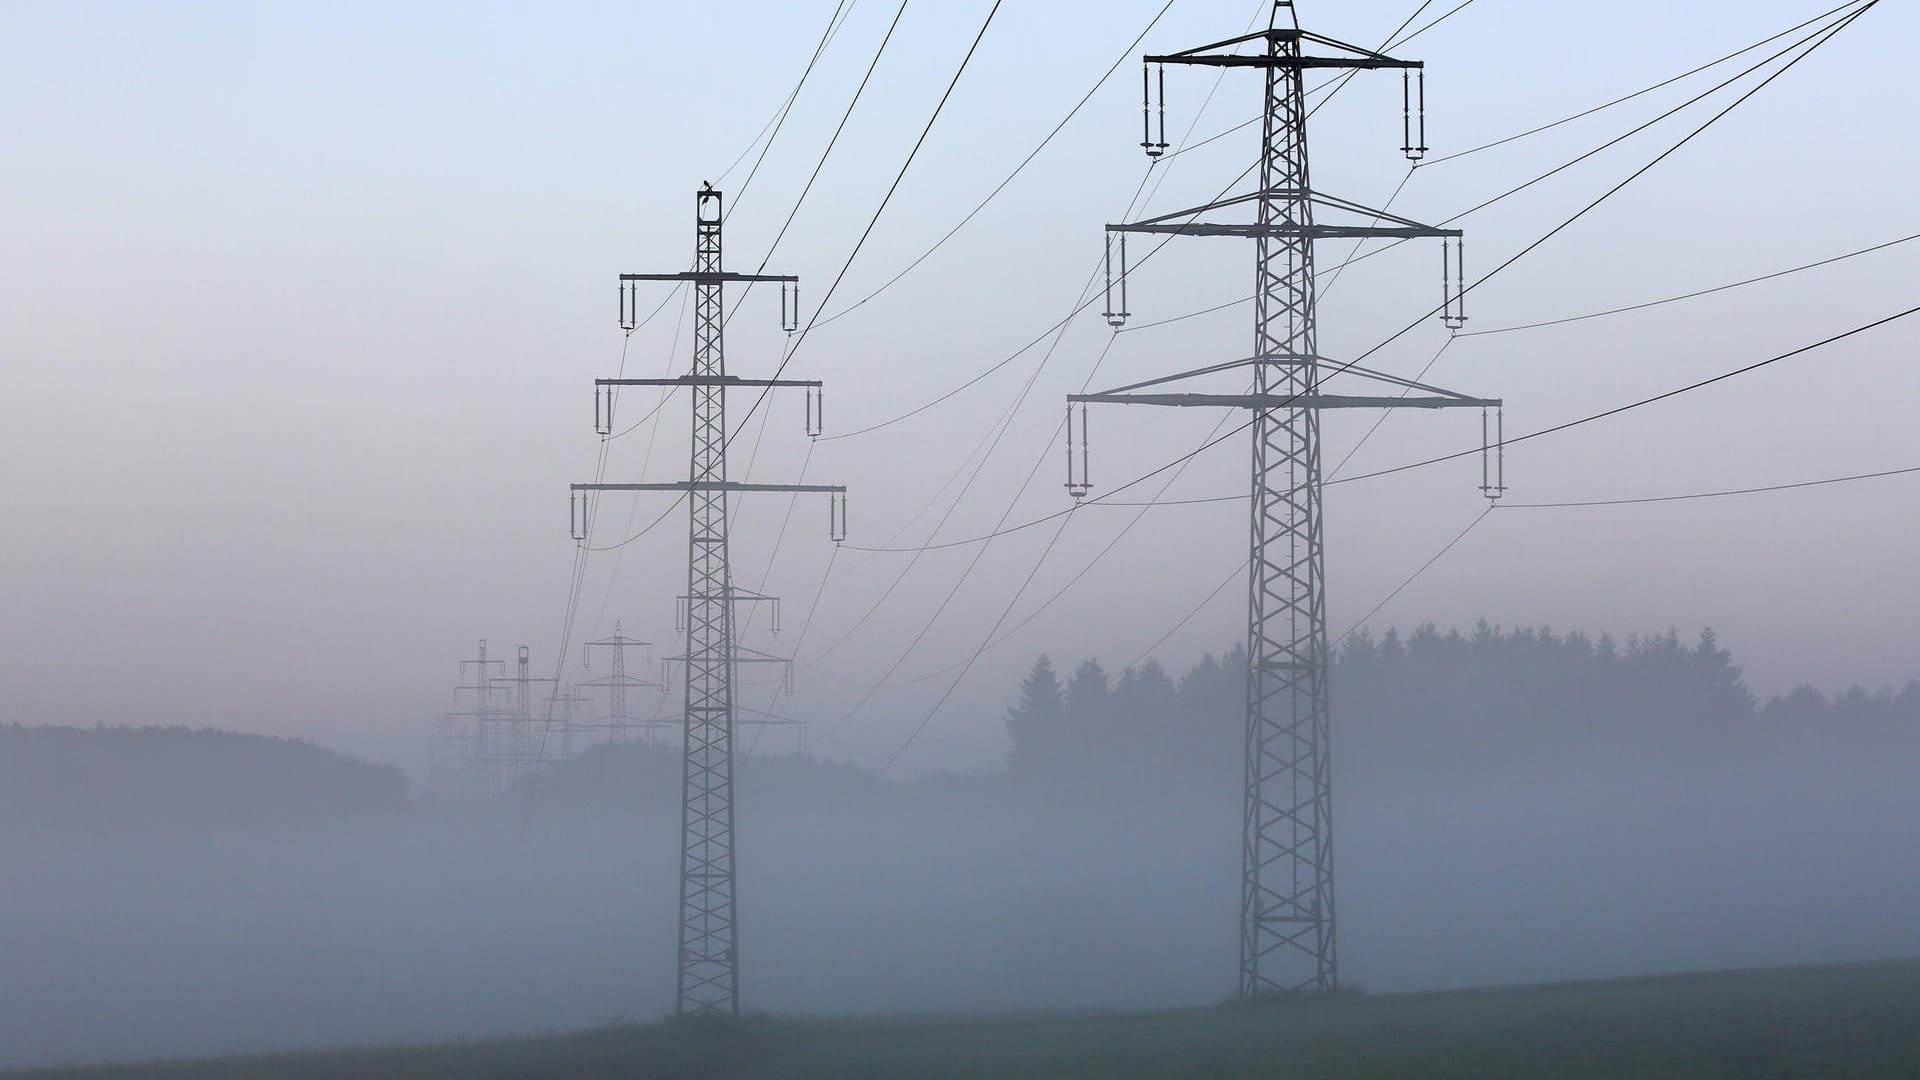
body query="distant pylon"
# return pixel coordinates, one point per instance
(757, 718)
(513, 746)
(709, 958)
(618, 722)
(482, 721)
(1287, 941)
(567, 704)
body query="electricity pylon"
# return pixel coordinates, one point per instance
(757, 718)
(568, 722)
(485, 717)
(514, 745)
(618, 722)
(709, 955)
(1286, 900)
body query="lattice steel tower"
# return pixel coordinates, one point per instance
(1287, 941)
(482, 738)
(709, 958)
(618, 721)
(514, 745)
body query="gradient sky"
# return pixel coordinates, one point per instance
(304, 305)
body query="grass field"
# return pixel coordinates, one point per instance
(1851, 1021)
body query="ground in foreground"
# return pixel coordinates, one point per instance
(1856, 1021)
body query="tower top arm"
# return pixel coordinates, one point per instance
(1351, 56)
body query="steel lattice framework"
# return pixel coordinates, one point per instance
(1287, 939)
(618, 722)
(709, 954)
(481, 726)
(1286, 890)
(709, 929)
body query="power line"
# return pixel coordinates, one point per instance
(1382, 418)
(1287, 943)
(671, 506)
(1716, 88)
(583, 550)
(1643, 91)
(846, 115)
(1086, 298)
(1189, 616)
(989, 443)
(833, 24)
(881, 209)
(1822, 38)
(1436, 22)
(1813, 42)
(831, 142)
(646, 459)
(776, 122)
(1024, 162)
(666, 394)
(1393, 41)
(991, 640)
(971, 660)
(1715, 494)
(991, 635)
(1615, 412)
(1710, 91)
(1589, 153)
(1722, 377)
(1001, 428)
(1691, 295)
(1557, 322)
(996, 433)
(781, 110)
(990, 447)
(1424, 567)
(708, 974)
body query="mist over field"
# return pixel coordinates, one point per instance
(310, 328)
(1512, 807)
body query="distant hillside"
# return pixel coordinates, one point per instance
(177, 775)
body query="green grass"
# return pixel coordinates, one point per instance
(1852, 1021)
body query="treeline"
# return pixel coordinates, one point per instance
(56, 776)
(1457, 705)
(1429, 709)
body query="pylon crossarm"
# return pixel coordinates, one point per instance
(713, 485)
(1308, 231)
(1205, 54)
(1211, 369)
(1230, 365)
(699, 277)
(1288, 401)
(1334, 202)
(1189, 212)
(1180, 57)
(771, 721)
(1394, 380)
(1335, 43)
(1294, 62)
(1182, 220)
(711, 380)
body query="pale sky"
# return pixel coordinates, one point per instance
(304, 305)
